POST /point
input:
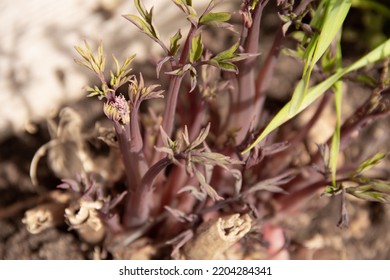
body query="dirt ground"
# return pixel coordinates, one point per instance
(311, 234)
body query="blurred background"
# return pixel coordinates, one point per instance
(37, 72)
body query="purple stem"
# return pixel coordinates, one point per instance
(136, 142)
(244, 109)
(141, 203)
(123, 135)
(173, 92)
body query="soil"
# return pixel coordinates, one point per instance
(311, 234)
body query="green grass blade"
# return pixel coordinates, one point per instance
(333, 18)
(337, 12)
(338, 90)
(334, 155)
(315, 92)
(299, 94)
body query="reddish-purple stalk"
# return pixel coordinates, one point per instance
(136, 141)
(138, 197)
(246, 104)
(173, 90)
(123, 133)
(140, 202)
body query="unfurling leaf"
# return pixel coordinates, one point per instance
(200, 138)
(160, 65)
(369, 163)
(122, 73)
(95, 63)
(138, 92)
(95, 91)
(372, 190)
(206, 187)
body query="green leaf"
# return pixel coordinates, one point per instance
(374, 190)
(141, 24)
(369, 163)
(174, 47)
(94, 91)
(186, 7)
(196, 49)
(379, 53)
(211, 18)
(227, 66)
(121, 75)
(194, 191)
(241, 56)
(142, 11)
(227, 54)
(180, 71)
(367, 80)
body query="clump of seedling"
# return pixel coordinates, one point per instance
(211, 168)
